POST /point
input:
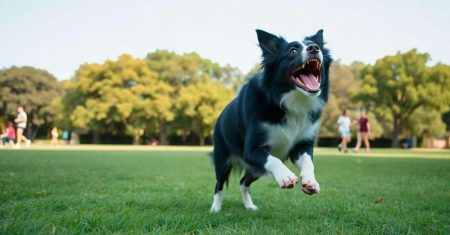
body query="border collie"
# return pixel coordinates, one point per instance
(274, 117)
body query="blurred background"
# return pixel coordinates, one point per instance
(160, 72)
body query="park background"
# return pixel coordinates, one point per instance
(124, 72)
(130, 73)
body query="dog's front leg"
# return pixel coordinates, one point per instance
(284, 177)
(259, 160)
(257, 157)
(309, 183)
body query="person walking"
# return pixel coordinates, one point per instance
(344, 130)
(21, 122)
(54, 135)
(363, 133)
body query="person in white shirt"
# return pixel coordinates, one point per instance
(344, 130)
(21, 122)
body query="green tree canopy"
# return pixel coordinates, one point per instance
(33, 88)
(395, 87)
(189, 70)
(202, 103)
(179, 70)
(118, 97)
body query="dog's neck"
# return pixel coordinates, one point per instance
(299, 102)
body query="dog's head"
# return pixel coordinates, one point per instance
(301, 65)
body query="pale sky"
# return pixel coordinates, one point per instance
(59, 35)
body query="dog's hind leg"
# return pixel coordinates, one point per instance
(223, 167)
(245, 185)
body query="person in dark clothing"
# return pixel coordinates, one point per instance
(363, 133)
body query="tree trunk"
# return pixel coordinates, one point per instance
(395, 133)
(162, 133)
(137, 140)
(202, 140)
(184, 137)
(395, 142)
(31, 132)
(3, 112)
(95, 137)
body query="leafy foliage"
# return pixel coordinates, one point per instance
(202, 104)
(181, 95)
(33, 88)
(118, 96)
(201, 89)
(179, 70)
(395, 87)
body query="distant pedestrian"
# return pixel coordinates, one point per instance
(21, 122)
(54, 135)
(344, 130)
(66, 137)
(9, 135)
(363, 133)
(154, 141)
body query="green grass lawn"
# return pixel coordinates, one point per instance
(171, 192)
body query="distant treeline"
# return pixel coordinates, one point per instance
(176, 98)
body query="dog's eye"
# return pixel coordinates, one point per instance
(293, 51)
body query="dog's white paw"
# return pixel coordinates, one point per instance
(215, 209)
(285, 178)
(309, 185)
(248, 203)
(217, 203)
(251, 207)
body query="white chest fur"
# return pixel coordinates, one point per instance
(297, 126)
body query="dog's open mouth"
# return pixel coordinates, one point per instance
(307, 76)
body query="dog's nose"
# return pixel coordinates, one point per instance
(312, 48)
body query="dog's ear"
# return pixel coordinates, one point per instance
(268, 42)
(318, 37)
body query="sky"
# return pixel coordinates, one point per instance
(60, 35)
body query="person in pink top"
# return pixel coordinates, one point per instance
(9, 135)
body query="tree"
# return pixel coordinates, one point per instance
(425, 120)
(395, 87)
(33, 88)
(181, 71)
(202, 103)
(118, 97)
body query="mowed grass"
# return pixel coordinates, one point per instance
(170, 192)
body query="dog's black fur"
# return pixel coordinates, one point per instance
(239, 135)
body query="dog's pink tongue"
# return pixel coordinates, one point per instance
(311, 81)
